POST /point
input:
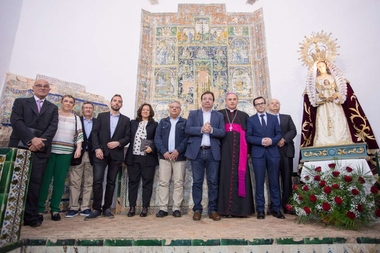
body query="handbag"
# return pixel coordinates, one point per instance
(37, 133)
(144, 143)
(76, 161)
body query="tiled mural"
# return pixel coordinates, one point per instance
(199, 48)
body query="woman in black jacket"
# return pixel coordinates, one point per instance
(141, 158)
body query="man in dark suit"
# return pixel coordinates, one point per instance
(263, 132)
(205, 128)
(286, 148)
(82, 173)
(34, 122)
(110, 133)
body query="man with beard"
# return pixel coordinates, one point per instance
(235, 188)
(110, 133)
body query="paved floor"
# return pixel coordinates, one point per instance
(171, 228)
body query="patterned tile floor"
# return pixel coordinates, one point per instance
(184, 228)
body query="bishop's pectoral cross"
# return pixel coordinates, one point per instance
(230, 127)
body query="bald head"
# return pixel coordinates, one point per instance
(41, 88)
(274, 106)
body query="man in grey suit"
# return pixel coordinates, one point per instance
(110, 133)
(286, 149)
(205, 128)
(34, 122)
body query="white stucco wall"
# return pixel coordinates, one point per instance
(96, 43)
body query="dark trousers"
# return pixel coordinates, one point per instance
(286, 170)
(139, 170)
(99, 168)
(260, 166)
(35, 180)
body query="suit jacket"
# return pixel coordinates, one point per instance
(289, 131)
(161, 138)
(255, 134)
(101, 131)
(151, 158)
(25, 114)
(87, 142)
(193, 129)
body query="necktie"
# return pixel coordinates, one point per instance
(39, 105)
(263, 123)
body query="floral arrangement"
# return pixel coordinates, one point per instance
(336, 196)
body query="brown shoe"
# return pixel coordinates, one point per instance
(214, 215)
(197, 216)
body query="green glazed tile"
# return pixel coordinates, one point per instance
(12, 246)
(34, 242)
(227, 242)
(86, 242)
(150, 242)
(6, 177)
(368, 240)
(213, 242)
(318, 241)
(261, 242)
(339, 240)
(118, 242)
(178, 243)
(67, 242)
(288, 241)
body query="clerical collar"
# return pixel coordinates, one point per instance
(231, 111)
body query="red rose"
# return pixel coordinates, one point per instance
(317, 177)
(338, 200)
(313, 198)
(374, 190)
(288, 207)
(349, 169)
(307, 210)
(326, 206)
(355, 191)
(295, 187)
(336, 173)
(350, 215)
(347, 179)
(327, 189)
(305, 188)
(335, 186)
(318, 169)
(377, 212)
(300, 197)
(306, 178)
(332, 165)
(360, 208)
(322, 183)
(361, 180)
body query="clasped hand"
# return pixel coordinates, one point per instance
(207, 128)
(266, 142)
(37, 144)
(171, 156)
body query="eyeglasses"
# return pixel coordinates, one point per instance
(40, 86)
(174, 107)
(260, 104)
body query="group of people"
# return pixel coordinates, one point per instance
(218, 144)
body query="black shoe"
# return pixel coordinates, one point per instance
(261, 215)
(108, 214)
(94, 214)
(161, 214)
(132, 211)
(55, 216)
(40, 217)
(291, 212)
(177, 214)
(278, 214)
(34, 223)
(144, 212)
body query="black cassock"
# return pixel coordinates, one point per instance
(229, 202)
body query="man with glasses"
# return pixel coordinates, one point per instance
(263, 132)
(34, 122)
(171, 141)
(205, 128)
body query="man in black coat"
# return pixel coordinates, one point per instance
(82, 172)
(34, 122)
(110, 133)
(286, 148)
